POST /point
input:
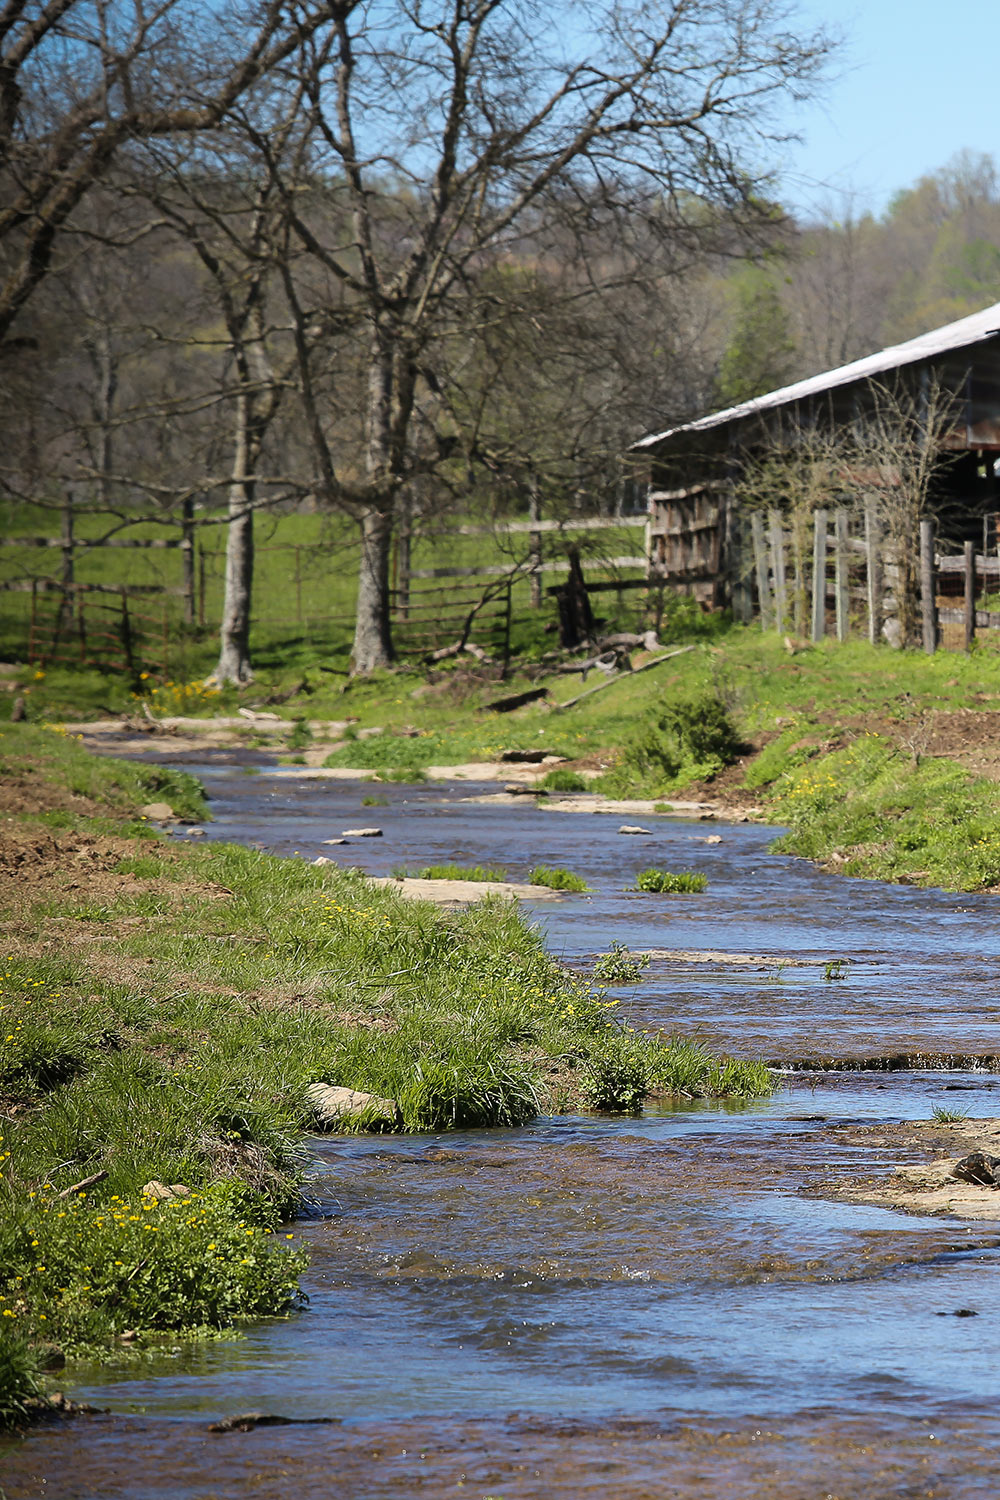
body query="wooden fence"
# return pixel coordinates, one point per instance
(833, 575)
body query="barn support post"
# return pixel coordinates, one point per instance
(928, 588)
(760, 568)
(777, 537)
(841, 563)
(819, 576)
(970, 594)
(873, 548)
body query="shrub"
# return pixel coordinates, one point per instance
(690, 738)
(670, 882)
(557, 879)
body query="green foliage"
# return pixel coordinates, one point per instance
(887, 815)
(300, 736)
(616, 1074)
(557, 879)
(19, 1382)
(688, 738)
(761, 349)
(620, 966)
(670, 882)
(376, 801)
(626, 1067)
(123, 787)
(76, 1269)
(561, 780)
(451, 872)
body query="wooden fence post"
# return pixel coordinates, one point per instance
(841, 563)
(819, 576)
(778, 570)
(760, 567)
(970, 594)
(535, 545)
(187, 558)
(928, 588)
(201, 586)
(873, 546)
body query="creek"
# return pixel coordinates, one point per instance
(655, 1305)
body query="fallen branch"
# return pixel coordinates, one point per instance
(85, 1182)
(646, 667)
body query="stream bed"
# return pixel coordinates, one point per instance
(663, 1305)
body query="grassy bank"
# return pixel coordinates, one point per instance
(739, 717)
(164, 1010)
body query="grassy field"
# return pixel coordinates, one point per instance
(305, 587)
(164, 1010)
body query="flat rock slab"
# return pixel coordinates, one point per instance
(458, 892)
(633, 828)
(362, 833)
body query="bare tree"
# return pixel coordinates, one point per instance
(80, 80)
(449, 129)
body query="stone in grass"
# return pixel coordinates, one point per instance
(159, 812)
(331, 1106)
(163, 1192)
(979, 1169)
(633, 828)
(321, 859)
(362, 833)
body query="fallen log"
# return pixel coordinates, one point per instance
(647, 666)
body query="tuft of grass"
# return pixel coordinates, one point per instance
(375, 801)
(557, 879)
(670, 882)
(451, 872)
(620, 966)
(19, 1382)
(559, 779)
(941, 1115)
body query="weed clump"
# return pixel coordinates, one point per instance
(557, 879)
(670, 882)
(559, 779)
(620, 966)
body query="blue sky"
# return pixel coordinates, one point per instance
(917, 83)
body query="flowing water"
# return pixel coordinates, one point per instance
(654, 1306)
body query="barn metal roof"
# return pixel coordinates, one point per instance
(965, 331)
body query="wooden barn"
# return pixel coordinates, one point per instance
(696, 537)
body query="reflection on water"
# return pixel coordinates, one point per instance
(651, 1306)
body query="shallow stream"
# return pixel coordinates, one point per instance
(661, 1306)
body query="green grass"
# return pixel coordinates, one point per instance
(170, 1033)
(559, 779)
(944, 1116)
(871, 809)
(557, 879)
(451, 872)
(670, 882)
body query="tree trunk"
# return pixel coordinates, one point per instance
(234, 655)
(372, 634)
